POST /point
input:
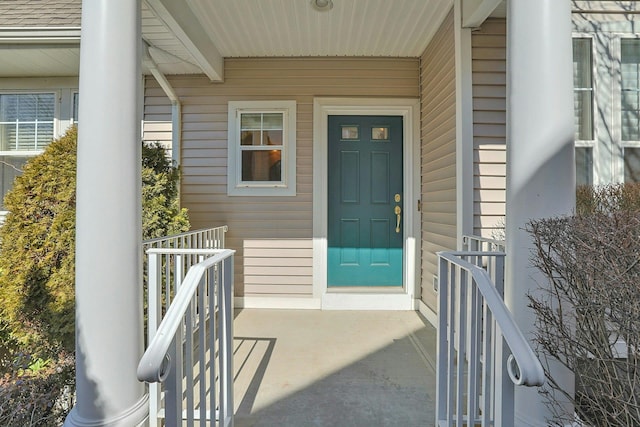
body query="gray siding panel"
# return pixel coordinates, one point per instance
(274, 232)
(489, 126)
(438, 158)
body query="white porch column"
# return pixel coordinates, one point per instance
(540, 154)
(109, 335)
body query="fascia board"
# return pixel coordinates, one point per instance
(475, 12)
(70, 35)
(183, 23)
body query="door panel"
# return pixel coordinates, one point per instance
(365, 177)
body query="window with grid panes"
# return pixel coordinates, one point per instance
(583, 108)
(26, 128)
(262, 148)
(630, 107)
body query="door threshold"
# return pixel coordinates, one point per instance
(366, 290)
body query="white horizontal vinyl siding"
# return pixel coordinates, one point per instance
(438, 162)
(272, 235)
(489, 127)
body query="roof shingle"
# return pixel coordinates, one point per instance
(40, 13)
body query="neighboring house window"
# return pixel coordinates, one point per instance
(630, 107)
(262, 148)
(583, 108)
(26, 128)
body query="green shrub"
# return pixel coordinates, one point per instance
(161, 212)
(37, 242)
(37, 246)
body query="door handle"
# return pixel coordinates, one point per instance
(398, 213)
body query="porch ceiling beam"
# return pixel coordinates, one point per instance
(182, 22)
(475, 12)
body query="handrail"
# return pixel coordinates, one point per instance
(223, 228)
(154, 362)
(528, 371)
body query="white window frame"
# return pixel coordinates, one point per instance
(62, 89)
(235, 185)
(594, 109)
(56, 109)
(616, 43)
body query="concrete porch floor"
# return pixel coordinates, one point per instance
(333, 368)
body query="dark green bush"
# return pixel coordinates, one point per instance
(37, 243)
(161, 212)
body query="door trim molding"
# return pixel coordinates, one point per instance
(409, 110)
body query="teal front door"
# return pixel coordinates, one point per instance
(365, 201)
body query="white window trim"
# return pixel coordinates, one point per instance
(617, 102)
(235, 186)
(595, 148)
(62, 113)
(594, 83)
(56, 121)
(62, 88)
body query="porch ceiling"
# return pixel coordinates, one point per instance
(249, 28)
(194, 39)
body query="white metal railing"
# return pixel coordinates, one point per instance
(196, 331)
(167, 281)
(208, 238)
(482, 354)
(482, 244)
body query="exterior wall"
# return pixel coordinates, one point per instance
(489, 127)
(604, 23)
(272, 235)
(157, 125)
(438, 159)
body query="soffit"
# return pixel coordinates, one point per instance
(500, 11)
(167, 51)
(36, 61)
(286, 28)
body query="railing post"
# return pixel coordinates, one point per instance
(226, 344)
(505, 399)
(173, 387)
(442, 380)
(474, 353)
(154, 304)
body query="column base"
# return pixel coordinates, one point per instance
(134, 416)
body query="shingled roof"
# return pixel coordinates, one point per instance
(40, 13)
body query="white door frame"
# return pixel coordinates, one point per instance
(368, 298)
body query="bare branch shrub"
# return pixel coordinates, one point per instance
(31, 396)
(588, 315)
